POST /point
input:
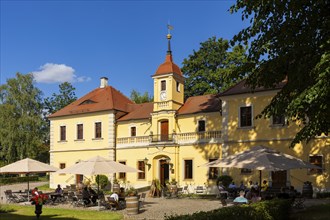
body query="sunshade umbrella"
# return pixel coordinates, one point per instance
(27, 166)
(98, 165)
(262, 158)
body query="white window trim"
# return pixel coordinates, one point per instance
(198, 120)
(129, 130)
(239, 117)
(94, 131)
(80, 123)
(311, 155)
(183, 169)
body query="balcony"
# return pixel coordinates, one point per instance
(170, 139)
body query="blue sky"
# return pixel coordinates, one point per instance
(81, 41)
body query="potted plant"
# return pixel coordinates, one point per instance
(132, 201)
(173, 188)
(38, 200)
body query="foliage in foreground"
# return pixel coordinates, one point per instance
(267, 210)
(290, 40)
(320, 212)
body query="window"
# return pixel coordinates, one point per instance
(142, 167)
(163, 85)
(213, 171)
(62, 165)
(188, 169)
(122, 175)
(201, 126)
(133, 131)
(246, 116)
(177, 86)
(318, 161)
(98, 130)
(278, 120)
(80, 131)
(245, 171)
(63, 133)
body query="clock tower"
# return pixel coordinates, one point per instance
(168, 84)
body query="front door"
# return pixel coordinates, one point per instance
(164, 172)
(164, 131)
(79, 179)
(279, 179)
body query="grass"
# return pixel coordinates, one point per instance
(319, 212)
(13, 212)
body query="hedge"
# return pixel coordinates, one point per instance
(11, 180)
(266, 210)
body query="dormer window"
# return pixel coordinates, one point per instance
(163, 85)
(88, 101)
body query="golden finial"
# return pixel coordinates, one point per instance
(169, 37)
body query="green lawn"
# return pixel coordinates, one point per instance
(27, 213)
(319, 212)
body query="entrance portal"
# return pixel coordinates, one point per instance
(164, 172)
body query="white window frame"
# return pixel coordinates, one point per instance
(239, 116)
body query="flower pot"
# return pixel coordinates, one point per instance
(38, 210)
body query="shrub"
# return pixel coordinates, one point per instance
(321, 195)
(267, 210)
(12, 180)
(102, 180)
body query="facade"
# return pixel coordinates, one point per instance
(170, 138)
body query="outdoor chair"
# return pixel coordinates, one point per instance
(142, 199)
(11, 198)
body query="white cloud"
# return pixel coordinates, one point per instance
(57, 73)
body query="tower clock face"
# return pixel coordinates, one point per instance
(163, 95)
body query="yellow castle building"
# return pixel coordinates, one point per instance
(169, 138)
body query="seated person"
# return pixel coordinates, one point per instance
(58, 193)
(223, 193)
(242, 186)
(93, 194)
(86, 196)
(232, 185)
(241, 199)
(114, 198)
(35, 192)
(264, 186)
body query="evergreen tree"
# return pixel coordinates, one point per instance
(138, 98)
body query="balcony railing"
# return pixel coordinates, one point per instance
(178, 138)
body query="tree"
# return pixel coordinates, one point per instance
(213, 68)
(290, 40)
(138, 98)
(20, 118)
(58, 101)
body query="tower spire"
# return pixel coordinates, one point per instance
(169, 37)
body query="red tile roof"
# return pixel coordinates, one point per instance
(168, 67)
(197, 104)
(99, 99)
(241, 88)
(138, 111)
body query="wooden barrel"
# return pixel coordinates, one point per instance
(116, 188)
(132, 205)
(174, 190)
(307, 190)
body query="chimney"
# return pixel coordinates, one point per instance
(104, 82)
